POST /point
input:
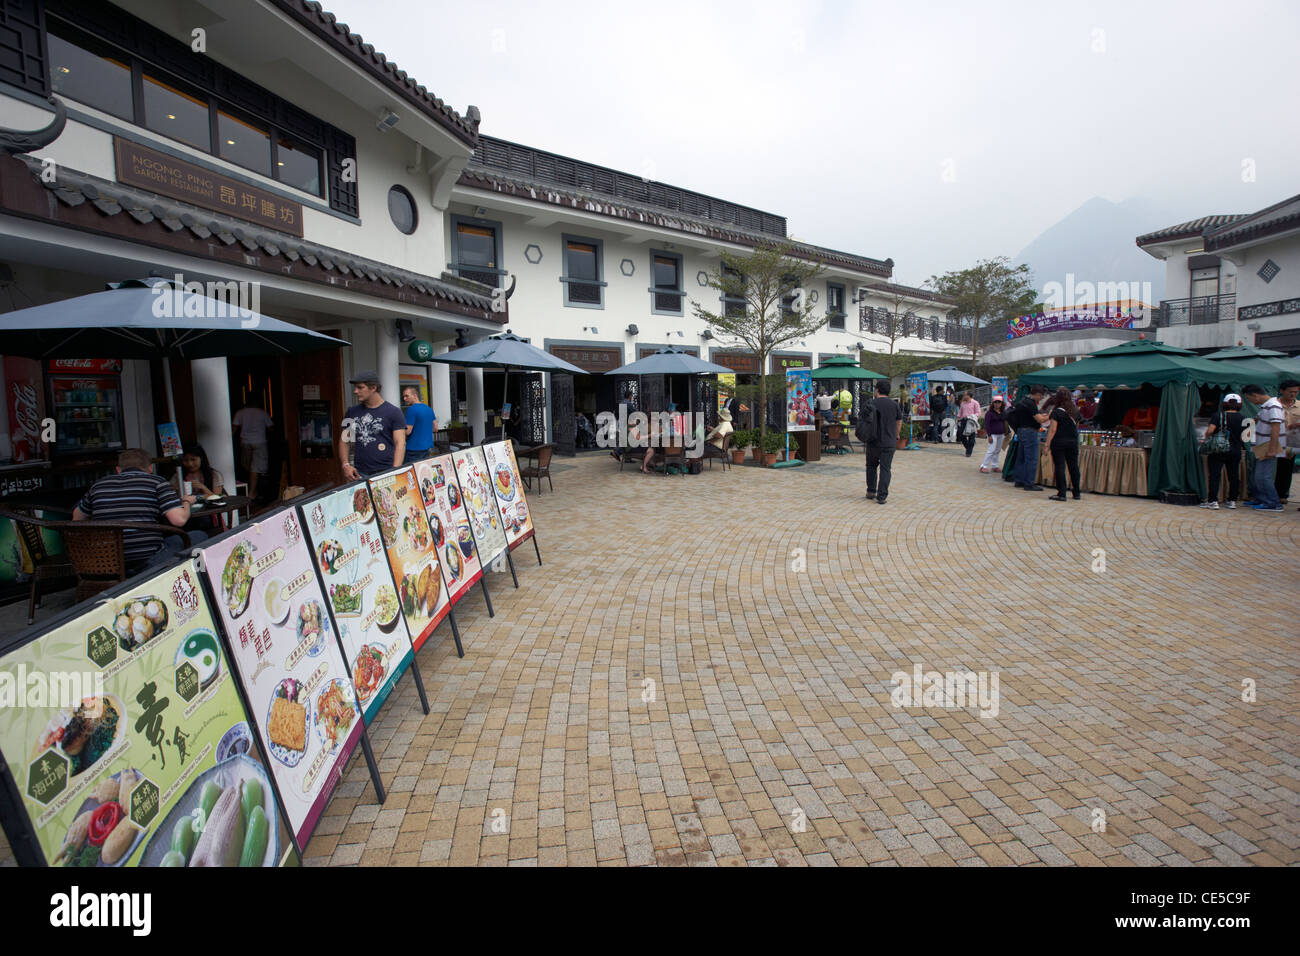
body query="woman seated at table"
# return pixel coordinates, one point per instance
(204, 481)
(716, 439)
(635, 436)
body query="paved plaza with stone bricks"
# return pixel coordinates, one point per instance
(680, 684)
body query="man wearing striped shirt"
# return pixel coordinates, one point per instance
(135, 493)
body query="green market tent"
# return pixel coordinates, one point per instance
(843, 367)
(1175, 463)
(1259, 366)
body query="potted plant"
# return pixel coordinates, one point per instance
(740, 441)
(773, 442)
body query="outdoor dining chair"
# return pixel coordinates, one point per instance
(541, 467)
(726, 454)
(95, 548)
(46, 567)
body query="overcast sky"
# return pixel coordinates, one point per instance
(933, 133)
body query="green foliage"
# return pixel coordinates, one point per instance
(742, 438)
(991, 290)
(761, 285)
(773, 442)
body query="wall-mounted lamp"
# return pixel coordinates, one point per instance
(681, 334)
(387, 120)
(462, 339)
(405, 330)
(480, 211)
(633, 330)
(706, 334)
(593, 330)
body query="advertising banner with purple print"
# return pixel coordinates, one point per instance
(1070, 320)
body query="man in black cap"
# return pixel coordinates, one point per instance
(374, 429)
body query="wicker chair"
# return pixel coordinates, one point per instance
(95, 548)
(725, 457)
(46, 567)
(542, 469)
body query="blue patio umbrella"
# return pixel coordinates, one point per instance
(672, 361)
(955, 376)
(507, 351)
(151, 318)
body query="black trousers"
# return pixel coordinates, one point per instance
(1216, 463)
(1282, 479)
(880, 458)
(969, 442)
(1066, 457)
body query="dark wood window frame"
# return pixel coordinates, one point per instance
(666, 300)
(152, 52)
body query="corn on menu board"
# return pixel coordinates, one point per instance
(349, 551)
(408, 540)
(449, 523)
(128, 740)
(503, 475)
(287, 659)
(480, 504)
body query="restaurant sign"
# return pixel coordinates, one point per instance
(590, 359)
(782, 362)
(163, 174)
(746, 363)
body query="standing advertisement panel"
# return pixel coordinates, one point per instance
(282, 639)
(508, 489)
(799, 415)
(449, 523)
(412, 554)
(480, 503)
(918, 390)
(123, 729)
(1001, 384)
(349, 551)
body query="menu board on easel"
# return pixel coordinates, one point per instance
(349, 553)
(129, 719)
(412, 555)
(285, 653)
(449, 523)
(480, 503)
(503, 472)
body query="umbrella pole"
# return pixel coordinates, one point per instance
(505, 392)
(167, 385)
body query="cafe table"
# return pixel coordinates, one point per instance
(231, 505)
(1103, 469)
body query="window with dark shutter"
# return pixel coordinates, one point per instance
(476, 253)
(340, 147)
(666, 293)
(583, 286)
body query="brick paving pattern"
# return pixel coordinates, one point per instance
(770, 737)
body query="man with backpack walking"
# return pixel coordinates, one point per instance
(880, 423)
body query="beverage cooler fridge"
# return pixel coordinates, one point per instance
(86, 405)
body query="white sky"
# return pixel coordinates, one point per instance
(845, 117)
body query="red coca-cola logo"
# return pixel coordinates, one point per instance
(26, 418)
(85, 365)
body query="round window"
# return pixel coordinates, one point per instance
(401, 209)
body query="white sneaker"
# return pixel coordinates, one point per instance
(1212, 505)
(1232, 505)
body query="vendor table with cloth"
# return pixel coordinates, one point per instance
(1102, 469)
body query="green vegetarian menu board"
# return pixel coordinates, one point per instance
(125, 731)
(349, 552)
(287, 659)
(480, 503)
(503, 477)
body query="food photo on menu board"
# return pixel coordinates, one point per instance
(509, 491)
(449, 523)
(349, 550)
(130, 745)
(480, 503)
(285, 652)
(412, 554)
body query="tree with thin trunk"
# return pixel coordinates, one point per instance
(896, 322)
(765, 305)
(991, 290)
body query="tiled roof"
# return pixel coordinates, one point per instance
(516, 184)
(1279, 217)
(326, 26)
(1186, 230)
(73, 188)
(893, 288)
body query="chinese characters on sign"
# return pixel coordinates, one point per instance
(163, 174)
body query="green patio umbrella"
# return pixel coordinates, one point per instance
(843, 367)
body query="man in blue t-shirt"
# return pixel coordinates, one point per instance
(421, 423)
(374, 429)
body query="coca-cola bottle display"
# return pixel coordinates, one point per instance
(86, 405)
